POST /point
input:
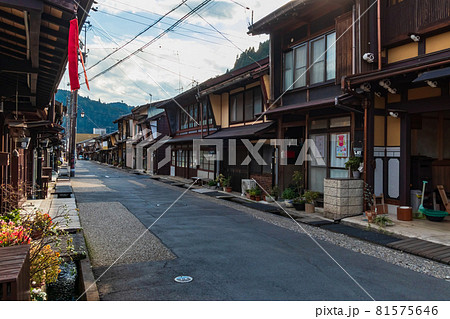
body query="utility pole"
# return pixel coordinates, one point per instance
(73, 132)
(87, 26)
(74, 113)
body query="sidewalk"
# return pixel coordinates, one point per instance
(435, 232)
(65, 212)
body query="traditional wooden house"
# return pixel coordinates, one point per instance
(189, 119)
(313, 44)
(33, 55)
(223, 108)
(407, 94)
(124, 124)
(156, 128)
(237, 99)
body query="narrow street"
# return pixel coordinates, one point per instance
(230, 254)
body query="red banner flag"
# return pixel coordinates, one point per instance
(73, 55)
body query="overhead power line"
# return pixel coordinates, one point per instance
(139, 34)
(173, 26)
(168, 18)
(223, 35)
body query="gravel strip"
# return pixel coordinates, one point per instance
(110, 229)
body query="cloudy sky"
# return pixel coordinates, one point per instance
(193, 51)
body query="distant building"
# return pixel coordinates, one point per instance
(100, 131)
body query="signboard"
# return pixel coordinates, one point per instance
(342, 145)
(105, 145)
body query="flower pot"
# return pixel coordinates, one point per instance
(299, 206)
(257, 198)
(288, 203)
(227, 189)
(309, 208)
(252, 197)
(268, 199)
(370, 216)
(356, 174)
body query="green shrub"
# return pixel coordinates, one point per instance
(310, 196)
(289, 193)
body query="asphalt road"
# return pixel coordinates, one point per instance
(233, 256)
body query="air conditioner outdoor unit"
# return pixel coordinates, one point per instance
(247, 184)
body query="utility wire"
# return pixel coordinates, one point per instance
(154, 64)
(144, 70)
(176, 32)
(125, 73)
(169, 18)
(173, 26)
(139, 34)
(223, 35)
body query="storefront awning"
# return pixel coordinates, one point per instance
(432, 61)
(433, 75)
(302, 106)
(185, 139)
(241, 131)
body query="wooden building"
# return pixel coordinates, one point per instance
(223, 108)
(33, 56)
(313, 44)
(124, 128)
(408, 99)
(238, 99)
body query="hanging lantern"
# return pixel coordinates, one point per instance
(82, 114)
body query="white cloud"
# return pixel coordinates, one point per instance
(194, 52)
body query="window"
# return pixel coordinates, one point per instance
(189, 117)
(207, 159)
(340, 122)
(245, 105)
(207, 114)
(322, 62)
(174, 158)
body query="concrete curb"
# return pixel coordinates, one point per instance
(88, 280)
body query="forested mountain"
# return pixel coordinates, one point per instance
(249, 56)
(97, 113)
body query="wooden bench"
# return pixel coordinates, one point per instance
(63, 191)
(15, 273)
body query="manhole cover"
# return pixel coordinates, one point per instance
(183, 279)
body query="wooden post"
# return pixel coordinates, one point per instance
(280, 136)
(305, 163)
(405, 160)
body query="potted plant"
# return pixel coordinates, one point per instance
(297, 181)
(299, 203)
(352, 165)
(252, 193)
(257, 194)
(273, 194)
(310, 198)
(226, 184)
(212, 183)
(288, 195)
